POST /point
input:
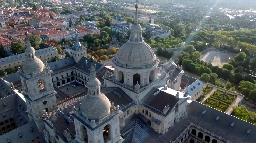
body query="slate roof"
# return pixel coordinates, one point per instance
(26, 133)
(61, 64)
(221, 127)
(156, 103)
(118, 96)
(194, 87)
(14, 78)
(188, 79)
(85, 65)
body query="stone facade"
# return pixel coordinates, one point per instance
(46, 54)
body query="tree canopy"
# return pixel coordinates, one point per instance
(17, 47)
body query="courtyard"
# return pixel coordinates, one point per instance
(72, 90)
(216, 57)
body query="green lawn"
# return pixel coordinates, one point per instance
(220, 100)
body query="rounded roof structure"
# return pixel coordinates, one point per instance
(95, 107)
(94, 82)
(135, 55)
(32, 64)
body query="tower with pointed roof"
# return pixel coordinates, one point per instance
(96, 120)
(135, 65)
(37, 86)
(78, 50)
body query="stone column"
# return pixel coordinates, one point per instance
(142, 79)
(147, 78)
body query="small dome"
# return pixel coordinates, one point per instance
(93, 83)
(95, 107)
(33, 65)
(135, 55)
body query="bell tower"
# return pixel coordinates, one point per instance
(78, 50)
(37, 86)
(96, 120)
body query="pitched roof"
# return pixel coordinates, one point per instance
(160, 100)
(220, 123)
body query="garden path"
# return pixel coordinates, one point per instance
(235, 102)
(208, 94)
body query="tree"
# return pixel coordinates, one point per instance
(3, 53)
(129, 19)
(195, 56)
(253, 65)
(59, 49)
(17, 47)
(103, 58)
(35, 41)
(205, 77)
(239, 69)
(228, 66)
(1, 73)
(70, 23)
(245, 87)
(34, 7)
(54, 59)
(213, 78)
(228, 85)
(216, 44)
(238, 77)
(67, 55)
(240, 57)
(252, 95)
(190, 49)
(241, 112)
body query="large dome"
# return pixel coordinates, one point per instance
(95, 107)
(33, 65)
(135, 55)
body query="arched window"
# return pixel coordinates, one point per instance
(41, 85)
(193, 132)
(200, 135)
(207, 139)
(136, 78)
(84, 133)
(106, 133)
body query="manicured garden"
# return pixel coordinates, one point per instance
(206, 90)
(220, 100)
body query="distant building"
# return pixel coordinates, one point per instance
(46, 54)
(117, 20)
(157, 31)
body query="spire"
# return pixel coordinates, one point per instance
(136, 13)
(92, 72)
(136, 31)
(77, 40)
(29, 50)
(28, 44)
